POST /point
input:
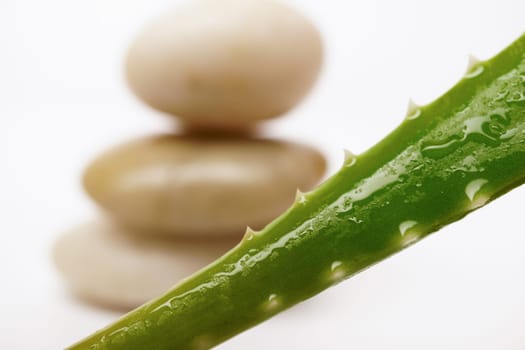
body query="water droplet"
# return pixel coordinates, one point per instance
(137, 328)
(104, 341)
(403, 178)
(474, 187)
(119, 336)
(335, 265)
(355, 220)
(479, 126)
(469, 164)
(164, 317)
(501, 95)
(409, 239)
(509, 134)
(441, 148)
(406, 225)
(413, 110)
(202, 342)
(517, 99)
(409, 234)
(273, 303)
(500, 117)
(341, 211)
(337, 271)
(484, 129)
(350, 159)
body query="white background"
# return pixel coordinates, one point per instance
(63, 100)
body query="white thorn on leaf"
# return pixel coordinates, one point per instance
(249, 234)
(300, 197)
(473, 62)
(413, 110)
(350, 158)
(474, 67)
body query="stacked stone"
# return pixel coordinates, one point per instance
(176, 202)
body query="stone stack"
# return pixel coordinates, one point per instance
(176, 202)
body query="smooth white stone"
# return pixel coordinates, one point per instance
(225, 63)
(201, 186)
(103, 263)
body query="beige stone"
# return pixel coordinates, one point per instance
(225, 63)
(201, 186)
(104, 264)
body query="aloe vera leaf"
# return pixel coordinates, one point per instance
(445, 160)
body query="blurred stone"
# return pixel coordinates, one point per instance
(201, 186)
(104, 264)
(225, 63)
